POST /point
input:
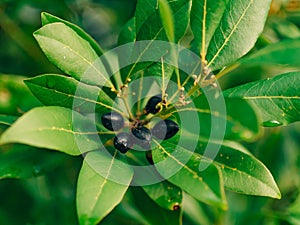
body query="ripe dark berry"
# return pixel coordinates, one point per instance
(152, 103)
(165, 129)
(112, 121)
(123, 142)
(142, 133)
(142, 136)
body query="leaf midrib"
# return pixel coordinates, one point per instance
(93, 207)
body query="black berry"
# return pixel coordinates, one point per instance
(143, 136)
(165, 129)
(112, 121)
(123, 142)
(152, 103)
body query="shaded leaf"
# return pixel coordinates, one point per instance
(7, 120)
(15, 96)
(17, 161)
(128, 32)
(277, 99)
(55, 128)
(151, 212)
(233, 119)
(98, 189)
(282, 53)
(59, 90)
(242, 20)
(72, 54)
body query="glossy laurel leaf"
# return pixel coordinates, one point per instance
(59, 90)
(55, 128)
(47, 18)
(277, 99)
(241, 171)
(238, 22)
(72, 54)
(181, 167)
(102, 183)
(205, 18)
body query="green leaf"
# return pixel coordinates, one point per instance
(181, 167)
(72, 54)
(165, 194)
(149, 24)
(240, 26)
(242, 172)
(242, 121)
(128, 32)
(149, 27)
(235, 120)
(277, 99)
(102, 183)
(282, 53)
(59, 90)
(167, 19)
(17, 161)
(48, 18)
(55, 128)
(205, 18)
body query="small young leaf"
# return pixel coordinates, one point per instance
(242, 20)
(98, 189)
(59, 90)
(165, 194)
(55, 128)
(181, 167)
(276, 99)
(72, 54)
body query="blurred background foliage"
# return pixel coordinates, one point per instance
(46, 195)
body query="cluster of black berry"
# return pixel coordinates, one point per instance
(140, 134)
